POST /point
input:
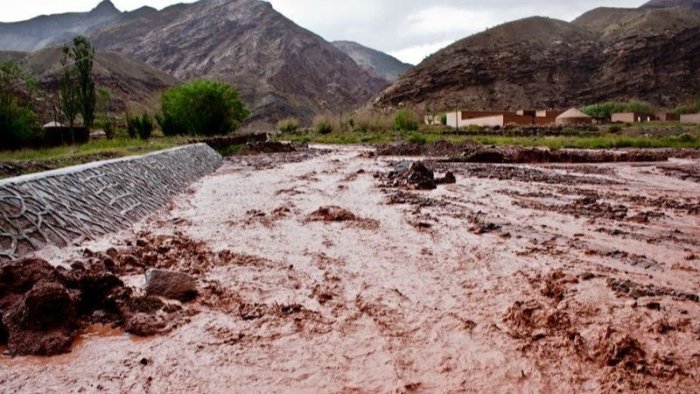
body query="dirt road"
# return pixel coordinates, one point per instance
(518, 278)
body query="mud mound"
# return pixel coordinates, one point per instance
(168, 252)
(42, 306)
(221, 143)
(43, 322)
(270, 147)
(525, 174)
(628, 288)
(439, 148)
(588, 207)
(331, 214)
(416, 176)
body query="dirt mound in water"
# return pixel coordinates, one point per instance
(439, 148)
(42, 307)
(331, 214)
(270, 147)
(416, 176)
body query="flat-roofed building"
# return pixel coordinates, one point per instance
(667, 116)
(631, 117)
(690, 118)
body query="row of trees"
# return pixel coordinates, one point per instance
(19, 123)
(197, 107)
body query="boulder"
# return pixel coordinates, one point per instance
(169, 284)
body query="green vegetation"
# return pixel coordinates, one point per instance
(605, 110)
(118, 147)
(323, 125)
(580, 140)
(289, 125)
(406, 120)
(18, 123)
(82, 55)
(692, 108)
(202, 107)
(140, 125)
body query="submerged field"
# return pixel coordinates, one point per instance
(321, 271)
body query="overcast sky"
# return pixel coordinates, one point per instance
(407, 29)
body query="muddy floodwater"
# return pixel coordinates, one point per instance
(516, 278)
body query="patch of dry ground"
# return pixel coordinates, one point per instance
(517, 278)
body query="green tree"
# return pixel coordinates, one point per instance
(104, 100)
(202, 107)
(70, 105)
(18, 123)
(83, 54)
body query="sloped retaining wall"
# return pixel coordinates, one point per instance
(67, 206)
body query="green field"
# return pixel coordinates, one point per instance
(646, 137)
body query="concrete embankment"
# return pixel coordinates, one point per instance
(66, 206)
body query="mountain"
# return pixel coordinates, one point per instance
(47, 30)
(692, 4)
(378, 63)
(130, 82)
(607, 54)
(280, 68)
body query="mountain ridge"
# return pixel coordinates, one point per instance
(559, 64)
(378, 63)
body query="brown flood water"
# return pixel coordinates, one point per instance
(566, 278)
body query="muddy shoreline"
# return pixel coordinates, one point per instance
(338, 270)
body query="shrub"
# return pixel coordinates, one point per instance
(202, 107)
(324, 126)
(140, 125)
(406, 120)
(605, 110)
(443, 119)
(417, 138)
(615, 129)
(18, 125)
(289, 125)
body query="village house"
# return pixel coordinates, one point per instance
(501, 118)
(690, 118)
(573, 117)
(631, 117)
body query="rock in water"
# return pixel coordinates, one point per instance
(169, 284)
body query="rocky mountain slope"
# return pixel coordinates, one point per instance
(378, 63)
(129, 81)
(607, 54)
(692, 4)
(51, 30)
(281, 69)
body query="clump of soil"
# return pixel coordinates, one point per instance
(221, 143)
(331, 214)
(417, 176)
(525, 174)
(587, 206)
(628, 288)
(42, 306)
(334, 214)
(168, 252)
(439, 148)
(269, 147)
